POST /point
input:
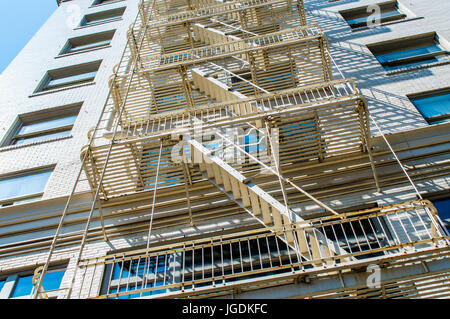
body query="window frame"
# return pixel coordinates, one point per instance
(89, 40)
(12, 279)
(84, 23)
(404, 44)
(361, 12)
(438, 196)
(12, 201)
(68, 72)
(109, 283)
(43, 116)
(430, 94)
(96, 3)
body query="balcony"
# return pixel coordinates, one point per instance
(266, 257)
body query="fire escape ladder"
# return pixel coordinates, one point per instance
(261, 205)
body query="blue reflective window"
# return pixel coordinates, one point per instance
(360, 17)
(411, 57)
(2, 283)
(83, 47)
(42, 130)
(443, 208)
(54, 83)
(46, 125)
(69, 76)
(408, 53)
(103, 2)
(435, 108)
(388, 15)
(150, 163)
(102, 17)
(24, 185)
(138, 267)
(24, 284)
(255, 142)
(132, 276)
(132, 287)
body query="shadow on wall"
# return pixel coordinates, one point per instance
(393, 112)
(336, 28)
(319, 4)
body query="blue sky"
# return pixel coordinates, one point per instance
(21, 19)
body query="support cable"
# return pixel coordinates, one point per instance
(145, 280)
(419, 196)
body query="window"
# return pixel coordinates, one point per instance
(434, 106)
(443, 208)
(43, 125)
(98, 2)
(88, 42)
(360, 17)
(200, 265)
(102, 17)
(21, 285)
(70, 76)
(23, 188)
(410, 52)
(134, 274)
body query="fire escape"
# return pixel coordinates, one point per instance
(238, 98)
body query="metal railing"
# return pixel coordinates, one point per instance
(137, 123)
(205, 10)
(236, 47)
(375, 234)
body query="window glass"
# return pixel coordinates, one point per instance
(359, 17)
(81, 47)
(130, 276)
(69, 76)
(47, 125)
(89, 20)
(2, 283)
(410, 52)
(443, 208)
(23, 185)
(103, 1)
(24, 284)
(41, 137)
(41, 127)
(387, 15)
(435, 108)
(54, 83)
(101, 17)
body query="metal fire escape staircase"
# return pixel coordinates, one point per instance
(258, 203)
(207, 66)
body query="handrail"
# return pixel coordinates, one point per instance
(317, 222)
(383, 232)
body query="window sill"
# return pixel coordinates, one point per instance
(61, 89)
(20, 200)
(97, 24)
(48, 140)
(415, 68)
(80, 52)
(385, 24)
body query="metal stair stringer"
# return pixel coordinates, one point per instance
(263, 207)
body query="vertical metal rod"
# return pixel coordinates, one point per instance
(153, 205)
(53, 245)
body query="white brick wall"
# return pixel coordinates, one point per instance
(386, 95)
(20, 79)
